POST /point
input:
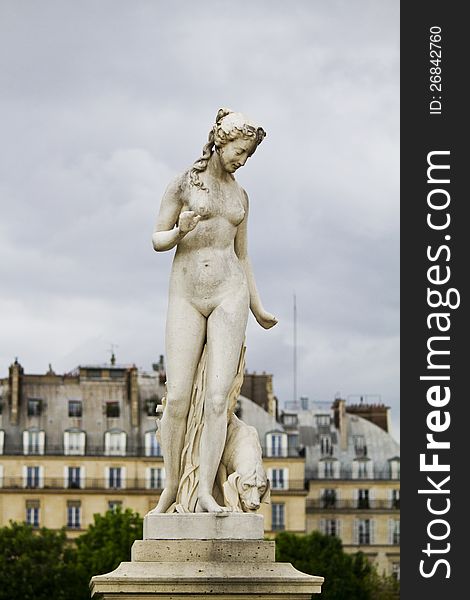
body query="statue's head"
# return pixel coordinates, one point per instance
(234, 137)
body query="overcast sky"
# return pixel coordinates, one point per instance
(103, 102)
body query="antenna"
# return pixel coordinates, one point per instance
(295, 351)
(113, 356)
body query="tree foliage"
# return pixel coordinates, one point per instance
(347, 577)
(41, 564)
(36, 564)
(108, 541)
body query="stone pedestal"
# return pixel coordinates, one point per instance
(187, 567)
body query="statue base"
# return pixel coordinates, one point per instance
(178, 568)
(204, 526)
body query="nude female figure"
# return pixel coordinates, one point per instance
(204, 214)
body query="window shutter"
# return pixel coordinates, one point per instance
(147, 476)
(321, 469)
(25, 442)
(42, 441)
(390, 531)
(338, 528)
(322, 524)
(372, 498)
(25, 475)
(355, 469)
(66, 477)
(41, 476)
(269, 443)
(356, 532)
(148, 443)
(284, 444)
(336, 465)
(286, 479)
(123, 443)
(2, 440)
(107, 440)
(106, 477)
(66, 443)
(82, 442)
(370, 469)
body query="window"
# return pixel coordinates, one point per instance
(117, 373)
(74, 477)
(290, 420)
(277, 517)
(360, 447)
(363, 469)
(278, 479)
(34, 407)
(329, 469)
(93, 373)
(112, 409)
(323, 420)
(328, 498)
(114, 505)
(364, 532)
(152, 445)
(394, 531)
(75, 408)
(329, 527)
(33, 477)
(74, 510)
(74, 443)
(115, 478)
(33, 441)
(151, 406)
(363, 499)
(276, 444)
(155, 478)
(326, 447)
(32, 512)
(395, 468)
(115, 443)
(395, 499)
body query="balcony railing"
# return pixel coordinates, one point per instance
(88, 483)
(92, 483)
(346, 472)
(324, 504)
(59, 450)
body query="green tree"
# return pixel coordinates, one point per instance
(347, 577)
(36, 564)
(108, 541)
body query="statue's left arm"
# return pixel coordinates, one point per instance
(264, 318)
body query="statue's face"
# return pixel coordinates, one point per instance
(235, 153)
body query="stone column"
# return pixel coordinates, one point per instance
(202, 554)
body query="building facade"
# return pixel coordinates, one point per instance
(81, 443)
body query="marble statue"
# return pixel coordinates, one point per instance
(212, 459)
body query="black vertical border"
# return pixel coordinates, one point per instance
(421, 133)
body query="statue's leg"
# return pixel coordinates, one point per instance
(185, 335)
(225, 335)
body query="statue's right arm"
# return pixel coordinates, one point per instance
(172, 224)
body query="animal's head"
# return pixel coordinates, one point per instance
(253, 489)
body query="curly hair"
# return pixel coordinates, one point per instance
(229, 126)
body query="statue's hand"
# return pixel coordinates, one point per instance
(188, 221)
(265, 319)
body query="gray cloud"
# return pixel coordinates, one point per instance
(105, 102)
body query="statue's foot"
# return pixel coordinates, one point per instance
(167, 498)
(206, 503)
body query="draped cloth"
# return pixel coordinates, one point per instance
(186, 497)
